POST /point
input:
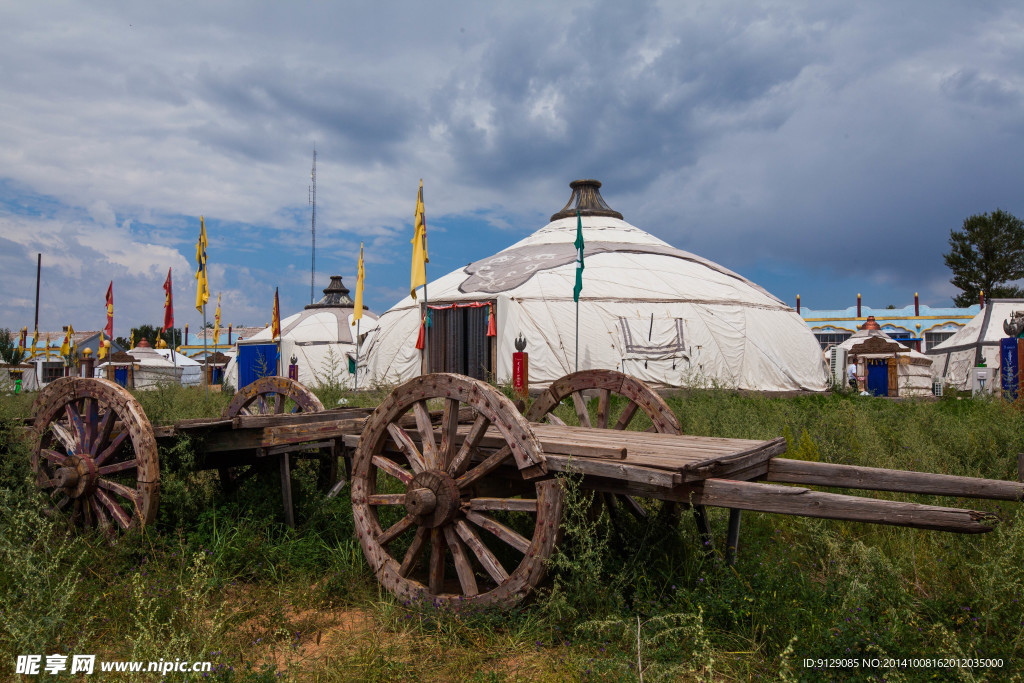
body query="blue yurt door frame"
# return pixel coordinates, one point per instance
(878, 376)
(255, 361)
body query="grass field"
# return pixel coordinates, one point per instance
(221, 578)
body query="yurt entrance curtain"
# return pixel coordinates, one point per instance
(458, 339)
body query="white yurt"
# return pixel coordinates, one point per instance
(666, 316)
(975, 342)
(191, 370)
(321, 338)
(873, 349)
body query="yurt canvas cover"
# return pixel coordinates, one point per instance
(321, 337)
(976, 341)
(648, 309)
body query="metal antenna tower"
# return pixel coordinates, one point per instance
(312, 200)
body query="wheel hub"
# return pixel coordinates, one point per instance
(77, 476)
(432, 498)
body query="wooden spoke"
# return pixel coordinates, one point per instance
(102, 518)
(437, 552)
(449, 430)
(426, 430)
(48, 483)
(408, 448)
(603, 404)
(414, 551)
(462, 566)
(458, 464)
(61, 503)
(484, 468)
(627, 415)
(92, 421)
(64, 436)
(261, 406)
(119, 489)
(103, 433)
(113, 447)
(580, 404)
(500, 530)
(555, 420)
(482, 552)
(76, 511)
(278, 404)
(52, 456)
(504, 504)
(392, 468)
(117, 467)
(116, 511)
(386, 499)
(395, 531)
(77, 425)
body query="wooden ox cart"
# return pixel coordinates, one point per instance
(454, 490)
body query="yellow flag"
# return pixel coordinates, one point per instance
(202, 286)
(419, 247)
(216, 322)
(65, 348)
(102, 351)
(276, 332)
(131, 340)
(360, 276)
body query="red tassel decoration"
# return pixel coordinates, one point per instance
(423, 334)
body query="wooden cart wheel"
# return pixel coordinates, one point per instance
(638, 396)
(448, 514)
(95, 453)
(273, 396)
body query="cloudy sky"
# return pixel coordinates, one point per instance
(819, 148)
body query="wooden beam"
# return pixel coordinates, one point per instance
(791, 500)
(877, 479)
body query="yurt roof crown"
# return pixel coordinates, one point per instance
(586, 198)
(335, 296)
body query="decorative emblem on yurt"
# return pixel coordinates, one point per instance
(1014, 325)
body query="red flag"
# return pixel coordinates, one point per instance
(110, 310)
(276, 332)
(491, 331)
(168, 304)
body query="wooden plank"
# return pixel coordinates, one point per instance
(613, 470)
(286, 491)
(722, 466)
(791, 500)
(507, 504)
(878, 479)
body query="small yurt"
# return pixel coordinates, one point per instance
(887, 367)
(666, 316)
(975, 343)
(191, 370)
(151, 369)
(321, 338)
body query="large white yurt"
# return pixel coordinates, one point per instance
(874, 349)
(666, 316)
(191, 370)
(321, 338)
(975, 342)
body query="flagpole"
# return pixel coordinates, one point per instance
(426, 320)
(577, 335)
(206, 354)
(359, 324)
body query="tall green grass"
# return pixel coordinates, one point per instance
(220, 577)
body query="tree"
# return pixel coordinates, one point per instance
(151, 334)
(986, 256)
(9, 347)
